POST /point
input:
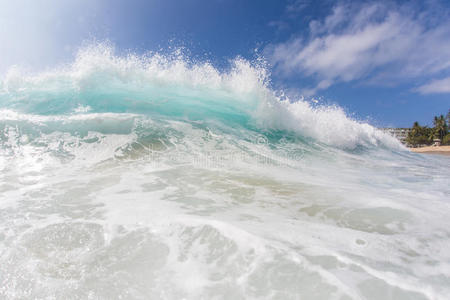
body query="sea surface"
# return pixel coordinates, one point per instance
(157, 177)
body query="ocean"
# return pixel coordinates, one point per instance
(158, 177)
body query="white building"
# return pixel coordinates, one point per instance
(400, 133)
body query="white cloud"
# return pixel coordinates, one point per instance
(436, 86)
(378, 43)
(297, 6)
(279, 25)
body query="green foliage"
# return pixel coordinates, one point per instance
(423, 135)
(446, 139)
(440, 127)
(420, 135)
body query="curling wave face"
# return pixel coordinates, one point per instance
(157, 177)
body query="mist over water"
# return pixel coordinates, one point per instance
(154, 177)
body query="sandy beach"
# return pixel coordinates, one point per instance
(444, 150)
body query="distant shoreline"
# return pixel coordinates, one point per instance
(442, 150)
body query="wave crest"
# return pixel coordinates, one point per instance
(174, 87)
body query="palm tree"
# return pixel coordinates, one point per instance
(445, 125)
(415, 135)
(440, 127)
(415, 129)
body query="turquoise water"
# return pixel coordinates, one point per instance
(154, 177)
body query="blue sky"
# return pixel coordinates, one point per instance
(386, 62)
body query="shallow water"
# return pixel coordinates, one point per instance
(157, 178)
